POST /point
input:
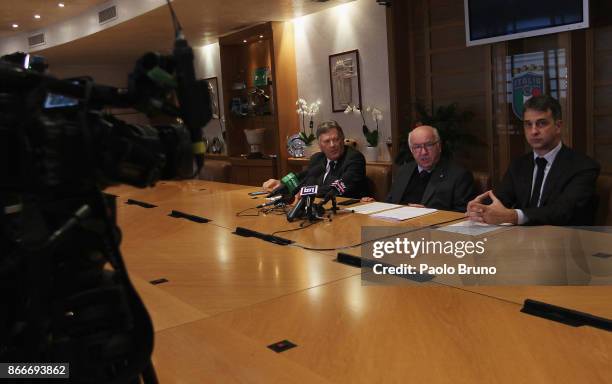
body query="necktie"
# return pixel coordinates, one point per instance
(535, 194)
(413, 194)
(330, 168)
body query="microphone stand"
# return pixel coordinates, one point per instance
(334, 205)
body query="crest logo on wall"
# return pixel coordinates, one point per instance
(527, 81)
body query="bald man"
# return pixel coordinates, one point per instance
(429, 181)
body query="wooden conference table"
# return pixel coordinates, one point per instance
(228, 297)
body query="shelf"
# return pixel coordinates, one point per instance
(240, 61)
(251, 88)
(216, 156)
(239, 117)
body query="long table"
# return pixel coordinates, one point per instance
(228, 297)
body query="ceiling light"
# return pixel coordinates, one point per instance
(261, 36)
(61, 5)
(37, 16)
(244, 41)
(15, 25)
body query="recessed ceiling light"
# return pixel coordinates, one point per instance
(244, 41)
(261, 36)
(15, 25)
(61, 5)
(37, 16)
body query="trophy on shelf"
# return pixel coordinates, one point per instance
(255, 139)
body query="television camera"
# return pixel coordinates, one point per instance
(65, 295)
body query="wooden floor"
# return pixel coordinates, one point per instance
(228, 297)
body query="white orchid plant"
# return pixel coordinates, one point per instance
(377, 116)
(307, 110)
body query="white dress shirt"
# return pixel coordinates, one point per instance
(550, 158)
(328, 168)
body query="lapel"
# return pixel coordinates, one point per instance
(403, 181)
(554, 173)
(523, 193)
(336, 172)
(437, 176)
(320, 162)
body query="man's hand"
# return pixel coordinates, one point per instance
(271, 184)
(367, 199)
(494, 213)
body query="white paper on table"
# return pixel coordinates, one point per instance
(472, 228)
(404, 213)
(367, 209)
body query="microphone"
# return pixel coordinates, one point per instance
(312, 173)
(297, 210)
(289, 183)
(308, 193)
(275, 202)
(337, 187)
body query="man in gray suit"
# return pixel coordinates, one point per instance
(430, 181)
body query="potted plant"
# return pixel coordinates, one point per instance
(370, 151)
(450, 123)
(305, 110)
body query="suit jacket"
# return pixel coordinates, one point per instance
(450, 187)
(568, 197)
(350, 169)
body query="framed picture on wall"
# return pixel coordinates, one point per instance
(344, 80)
(213, 92)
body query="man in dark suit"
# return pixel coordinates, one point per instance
(551, 185)
(335, 162)
(430, 181)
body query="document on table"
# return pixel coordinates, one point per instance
(404, 213)
(367, 209)
(472, 228)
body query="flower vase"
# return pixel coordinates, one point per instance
(311, 149)
(370, 153)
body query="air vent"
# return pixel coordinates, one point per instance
(107, 14)
(37, 39)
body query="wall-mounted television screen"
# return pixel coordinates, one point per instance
(489, 21)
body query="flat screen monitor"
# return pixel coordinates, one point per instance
(490, 21)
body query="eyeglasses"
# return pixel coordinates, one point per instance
(420, 147)
(541, 123)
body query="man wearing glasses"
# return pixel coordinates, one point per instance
(430, 181)
(551, 185)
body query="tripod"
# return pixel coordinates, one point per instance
(69, 298)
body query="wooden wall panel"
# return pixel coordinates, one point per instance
(475, 104)
(460, 60)
(603, 67)
(458, 86)
(601, 135)
(603, 38)
(286, 88)
(445, 12)
(602, 99)
(602, 125)
(448, 37)
(458, 74)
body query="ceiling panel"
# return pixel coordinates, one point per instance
(22, 12)
(202, 20)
